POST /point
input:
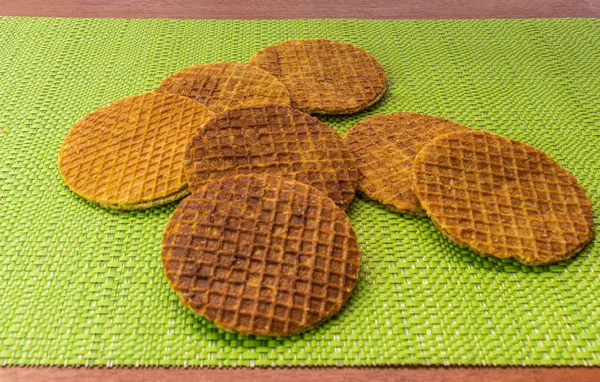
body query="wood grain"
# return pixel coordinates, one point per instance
(432, 374)
(275, 9)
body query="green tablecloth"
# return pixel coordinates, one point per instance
(84, 285)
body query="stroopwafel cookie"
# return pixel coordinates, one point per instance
(226, 85)
(324, 76)
(274, 140)
(129, 154)
(385, 146)
(261, 254)
(502, 198)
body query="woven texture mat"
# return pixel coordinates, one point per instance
(83, 285)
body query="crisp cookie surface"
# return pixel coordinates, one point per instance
(261, 254)
(275, 140)
(226, 85)
(502, 198)
(129, 154)
(385, 146)
(324, 76)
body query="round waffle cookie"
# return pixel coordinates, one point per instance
(385, 146)
(129, 154)
(226, 85)
(275, 140)
(324, 76)
(502, 198)
(261, 254)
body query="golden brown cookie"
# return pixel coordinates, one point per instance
(261, 254)
(324, 76)
(385, 146)
(226, 85)
(129, 154)
(502, 198)
(274, 140)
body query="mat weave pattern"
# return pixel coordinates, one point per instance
(83, 285)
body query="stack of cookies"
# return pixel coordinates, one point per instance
(263, 245)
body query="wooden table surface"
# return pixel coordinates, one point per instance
(274, 9)
(269, 9)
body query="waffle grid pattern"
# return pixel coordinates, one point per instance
(129, 154)
(322, 76)
(260, 254)
(273, 140)
(502, 197)
(83, 285)
(385, 146)
(226, 85)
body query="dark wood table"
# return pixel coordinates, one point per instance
(274, 9)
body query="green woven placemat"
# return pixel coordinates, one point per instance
(82, 285)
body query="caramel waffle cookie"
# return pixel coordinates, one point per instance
(385, 146)
(502, 198)
(324, 76)
(226, 85)
(129, 154)
(274, 140)
(261, 254)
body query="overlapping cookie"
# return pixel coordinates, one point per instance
(226, 85)
(502, 198)
(324, 76)
(273, 140)
(261, 254)
(129, 154)
(385, 146)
